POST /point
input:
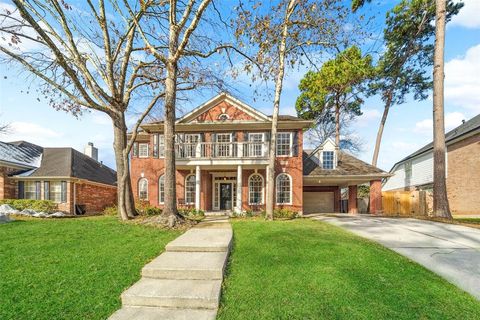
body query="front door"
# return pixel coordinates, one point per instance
(225, 196)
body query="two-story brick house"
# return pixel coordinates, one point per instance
(221, 158)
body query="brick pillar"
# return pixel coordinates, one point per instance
(352, 199)
(376, 196)
(336, 200)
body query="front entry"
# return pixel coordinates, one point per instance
(225, 196)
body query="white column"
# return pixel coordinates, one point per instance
(239, 188)
(197, 187)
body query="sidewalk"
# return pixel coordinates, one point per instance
(185, 281)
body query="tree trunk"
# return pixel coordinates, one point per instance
(276, 107)
(440, 200)
(125, 202)
(337, 124)
(376, 151)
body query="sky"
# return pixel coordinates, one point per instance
(408, 127)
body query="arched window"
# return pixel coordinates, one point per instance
(284, 189)
(255, 189)
(223, 117)
(190, 189)
(143, 189)
(161, 189)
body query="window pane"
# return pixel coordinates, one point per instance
(283, 189)
(255, 188)
(161, 146)
(255, 145)
(56, 191)
(283, 143)
(327, 160)
(143, 150)
(143, 189)
(30, 190)
(190, 189)
(223, 144)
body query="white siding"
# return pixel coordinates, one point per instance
(422, 173)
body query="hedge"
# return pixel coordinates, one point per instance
(47, 206)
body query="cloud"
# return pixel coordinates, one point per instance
(452, 120)
(468, 15)
(32, 132)
(368, 116)
(462, 80)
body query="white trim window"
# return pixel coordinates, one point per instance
(161, 146)
(161, 189)
(284, 144)
(328, 160)
(224, 143)
(191, 141)
(255, 189)
(255, 145)
(284, 189)
(143, 189)
(190, 189)
(55, 191)
(30, 190)
(143, 150)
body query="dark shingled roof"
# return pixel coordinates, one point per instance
(68, 162)
(286, 117)
(464, 128)
(347, 165)
(21, 153)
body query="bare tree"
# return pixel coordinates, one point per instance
(86, 60)
(440, 199)
(282, 35)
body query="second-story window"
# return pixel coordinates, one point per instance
(190, 146)
(224, 144)
(143, 150)
(161, 146)
(284, 144)
(255, 144)
(327, 159)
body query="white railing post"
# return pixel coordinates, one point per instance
(239, 189)
(240, 149)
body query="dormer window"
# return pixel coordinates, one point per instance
(223, 117)
(327, 159)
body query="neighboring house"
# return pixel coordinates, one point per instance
(415, 172)
(63, 175)
(221, 159)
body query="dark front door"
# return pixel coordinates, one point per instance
(225, 196)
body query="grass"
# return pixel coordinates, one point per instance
(304, 269)
(468, 220)
(72, 268)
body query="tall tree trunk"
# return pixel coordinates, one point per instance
(276, 107)
(125, 202)
(440, 200)
(337, 124)
(376, 151)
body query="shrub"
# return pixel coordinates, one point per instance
(144, 208)
(284, 213)
(191, 212)
(110, 211)
(47, 206)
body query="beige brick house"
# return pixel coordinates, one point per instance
(415, 172)
(77, 182)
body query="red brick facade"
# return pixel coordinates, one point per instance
(7, 184)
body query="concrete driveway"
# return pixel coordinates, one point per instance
(452, 251)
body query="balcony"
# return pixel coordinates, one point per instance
(222, 151)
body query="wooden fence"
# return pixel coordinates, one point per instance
(404, 203)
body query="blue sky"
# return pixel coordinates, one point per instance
(409, 126)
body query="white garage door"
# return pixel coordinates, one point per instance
(317, 202)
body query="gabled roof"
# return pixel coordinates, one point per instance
(68, 162)
(347, 165)
(20, 154)
(459, 132)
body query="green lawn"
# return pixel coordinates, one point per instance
(72, 268)
(468, 220)
(306, 269)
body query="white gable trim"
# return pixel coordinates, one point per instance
(216, 100)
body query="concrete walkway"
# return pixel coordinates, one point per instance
(452, 251)
(185, 281)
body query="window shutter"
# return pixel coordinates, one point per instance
(295, 144)
(38, 190)
(21, 190)
(64, 191)
(46, 190)
(135, 149)
(155, 145)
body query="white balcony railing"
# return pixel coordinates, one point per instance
(209, 150)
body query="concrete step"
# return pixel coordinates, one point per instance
(203, 239)
(156, 313)
(187, 265)
(190, 294)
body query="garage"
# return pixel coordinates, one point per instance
(318, 202)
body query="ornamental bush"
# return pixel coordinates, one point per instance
(47, 206)
(284, 213)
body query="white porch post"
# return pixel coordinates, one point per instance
(197, 187)
(239, 188)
